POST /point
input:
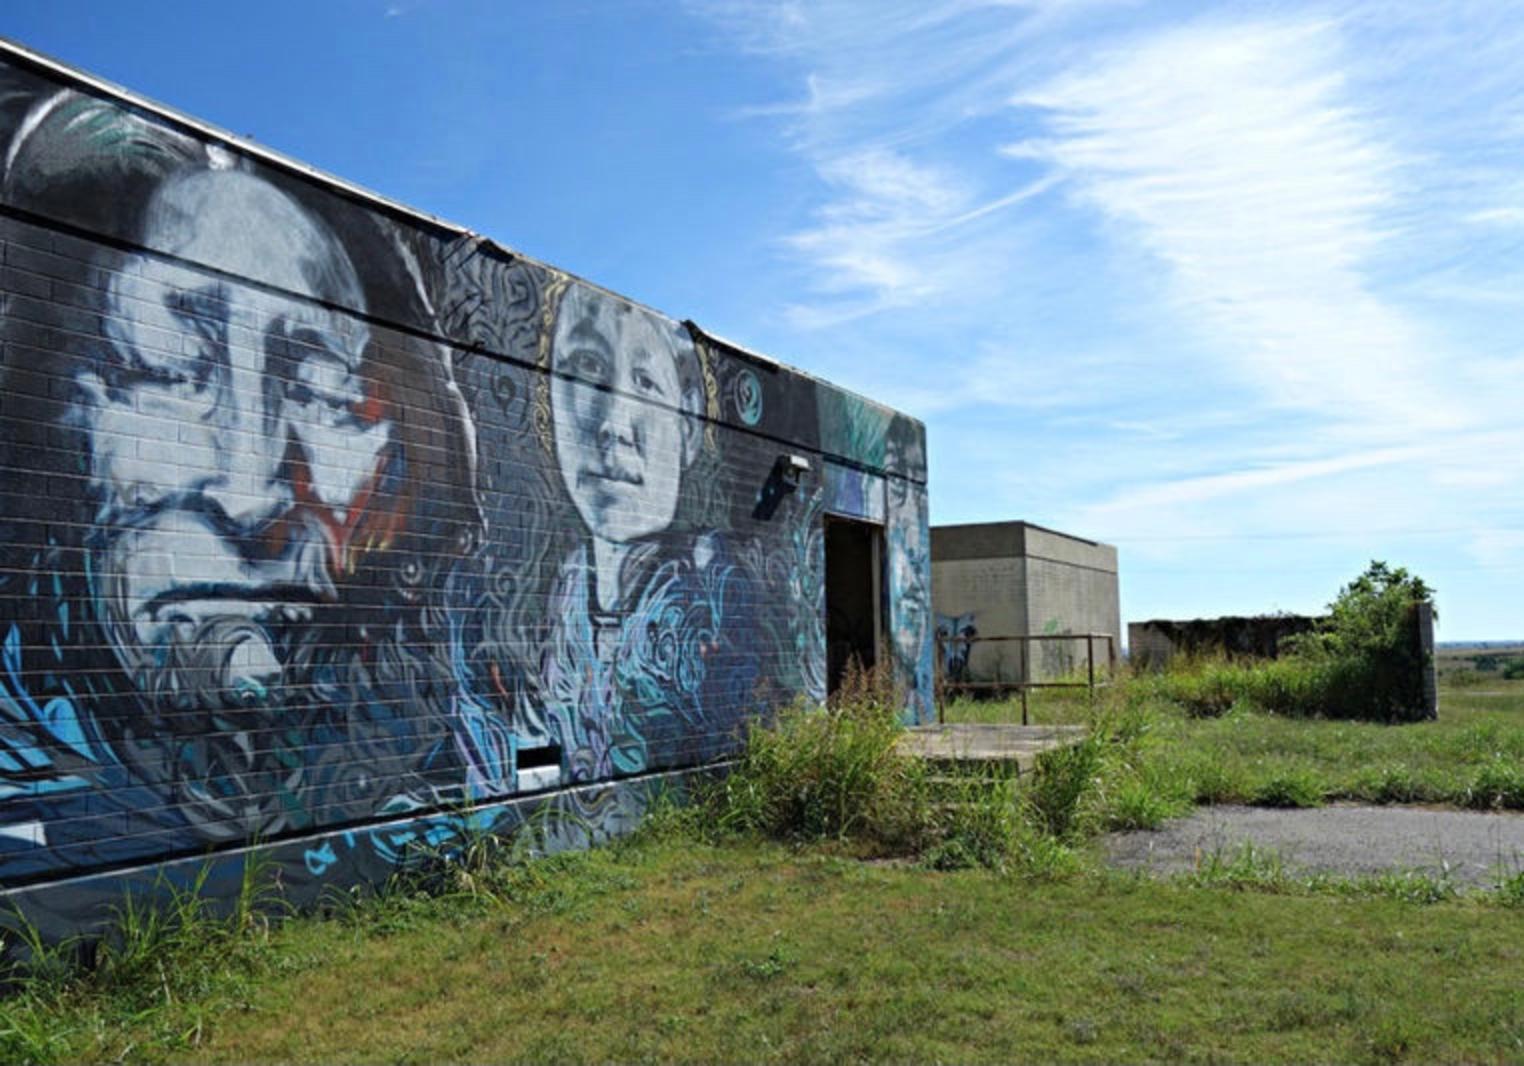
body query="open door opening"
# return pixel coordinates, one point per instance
(854, 595)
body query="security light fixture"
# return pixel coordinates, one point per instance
(791, 468)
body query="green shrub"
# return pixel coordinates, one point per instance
(1366, 649)
(1514, 669)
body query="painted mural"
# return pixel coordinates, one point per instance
(955, 642)
(319, 521)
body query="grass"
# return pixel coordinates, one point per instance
(1472, 756)
(676, 949)
(750, 927)
(1253, 868)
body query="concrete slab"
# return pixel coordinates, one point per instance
(988, 743)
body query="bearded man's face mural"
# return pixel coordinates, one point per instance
(254, 539)
(212, 546)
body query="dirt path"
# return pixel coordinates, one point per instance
(1475, 848)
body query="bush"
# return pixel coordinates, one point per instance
(1514, 670)
(1367, 649)
(836, 773)
(825, 773)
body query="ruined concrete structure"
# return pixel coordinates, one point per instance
(1012, 579)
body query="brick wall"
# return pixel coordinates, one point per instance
(330, 527)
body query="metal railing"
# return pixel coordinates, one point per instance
(946, 685)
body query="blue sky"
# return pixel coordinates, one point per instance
(1236, 287)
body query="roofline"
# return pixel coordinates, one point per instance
(58, 69)
(1026, 525)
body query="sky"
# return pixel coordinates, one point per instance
(1236, 287)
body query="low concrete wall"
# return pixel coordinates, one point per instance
(1155, 642)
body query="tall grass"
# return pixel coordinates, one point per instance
(837, 773)
(1362, 661)
(164, 946)
(832, 772)
(1208, 686)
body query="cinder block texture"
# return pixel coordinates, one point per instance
(1016, 579)
(320, 516)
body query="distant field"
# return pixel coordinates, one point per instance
(1483, 660)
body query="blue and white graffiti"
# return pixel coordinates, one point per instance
(315, 518)
(955, 633)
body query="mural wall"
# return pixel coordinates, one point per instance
(318, 517)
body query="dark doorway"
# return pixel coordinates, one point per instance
(854, 595)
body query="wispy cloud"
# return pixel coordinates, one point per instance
(821, 97)
(1230, 153)
(905, 221)
(1223, 270)
(1214, 487)
(897, 233)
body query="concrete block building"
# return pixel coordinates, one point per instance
(330, 532)
(1015, 579)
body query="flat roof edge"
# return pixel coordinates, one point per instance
(1022, 524)
(59, 69)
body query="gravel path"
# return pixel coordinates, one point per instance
(1475, 847)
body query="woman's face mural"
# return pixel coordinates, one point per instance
(624, 413)
(212, 542)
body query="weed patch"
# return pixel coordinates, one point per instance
(1497, 784)
(1063, 777)
(1290, 787)
(837, 774)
